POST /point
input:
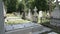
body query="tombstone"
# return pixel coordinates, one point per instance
(35, 16)
(29, 15)
(40, 16)
(1, 18)
(55, 20)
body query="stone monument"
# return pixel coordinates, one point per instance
(35, 16)
(29, 15)
(55, 20)
(40, 16)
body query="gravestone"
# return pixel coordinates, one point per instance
(29, 15)
(1, 18)
(40, 16)
(35, 16)
(55, 20)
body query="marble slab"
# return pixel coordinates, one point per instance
(52, 33)
(9, 27)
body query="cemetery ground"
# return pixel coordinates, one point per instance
(45, 22)
(17, 21)
(12, 19)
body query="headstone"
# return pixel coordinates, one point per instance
(1, 18)
(35, 16)
(29, 15)
(40, 16)
(55, 15)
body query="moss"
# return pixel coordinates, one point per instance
(17, 22)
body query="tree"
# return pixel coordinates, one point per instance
(20, 7)
(51, 6)
(41, 5)
(11, 6)
(30, 4)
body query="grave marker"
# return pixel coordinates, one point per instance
(55, 20)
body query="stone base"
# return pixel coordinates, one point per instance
(55, 22)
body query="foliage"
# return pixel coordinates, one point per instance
(24, 5)
(20, 7)
(30, 4)
(41, 5)
(11, 7)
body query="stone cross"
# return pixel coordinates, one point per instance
(1, 18)
(35, 9)
(35, 13)
(35, 16)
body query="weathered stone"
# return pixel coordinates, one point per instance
(55, 15)
(35, 16)
(1, 18)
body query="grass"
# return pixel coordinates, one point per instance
(10, 22)
(17, 22)
(11, 15)
(45, 22)
(24, 21)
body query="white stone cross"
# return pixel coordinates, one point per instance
(40, 14)
(35, 9)
(35, 13)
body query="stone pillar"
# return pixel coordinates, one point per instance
(55, 20)
(35, 16)
(57, 3)
(1, 18)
